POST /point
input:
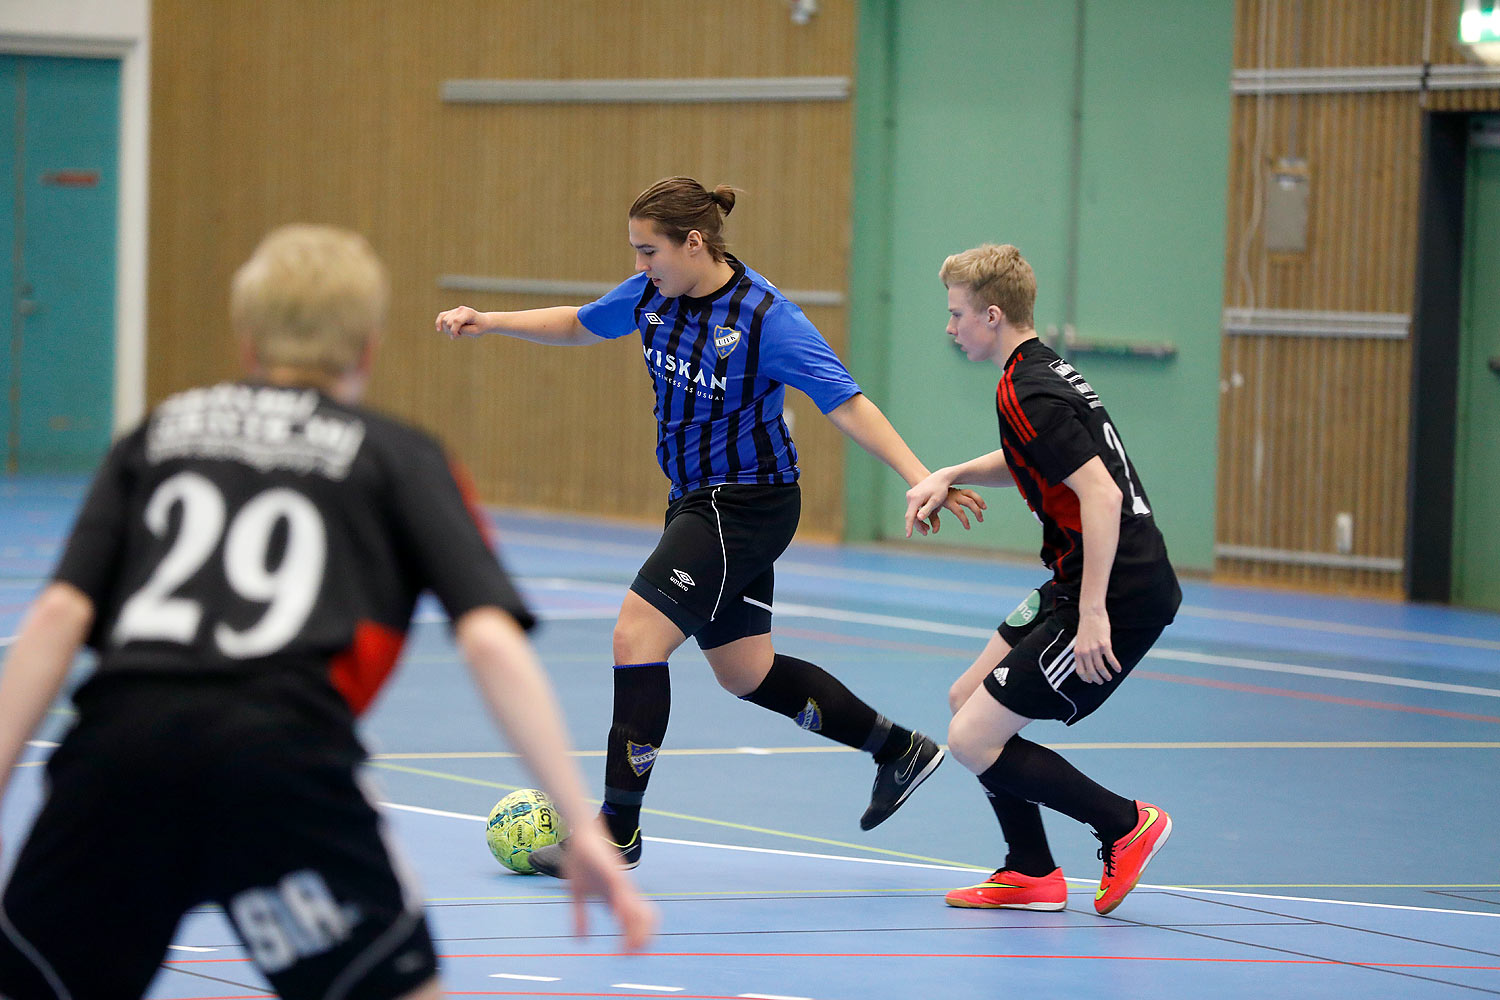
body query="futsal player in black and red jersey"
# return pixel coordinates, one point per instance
(246, 566)
(1075, 639)
(721, 345)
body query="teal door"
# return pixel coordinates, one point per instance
(59, 159)
(1476, 513)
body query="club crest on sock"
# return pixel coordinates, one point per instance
(811, 717)
(641, 756)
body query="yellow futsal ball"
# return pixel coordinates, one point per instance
(520, 823)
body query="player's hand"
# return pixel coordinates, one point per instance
(459, 322)
(1093, 656)
(923, 502)
(593, 869)
(957, 500)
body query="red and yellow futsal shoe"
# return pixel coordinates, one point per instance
(1125, 859)
(1008, 890)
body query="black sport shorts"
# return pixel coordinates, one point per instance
(1036, 678)
(173, 792)
(711, 572)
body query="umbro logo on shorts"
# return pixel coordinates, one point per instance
(681, 579)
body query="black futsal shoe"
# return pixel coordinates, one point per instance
(897, 779)
(549, 860)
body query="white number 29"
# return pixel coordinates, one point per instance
(289, 592)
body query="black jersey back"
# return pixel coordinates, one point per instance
(244, 527)
(1051, 423)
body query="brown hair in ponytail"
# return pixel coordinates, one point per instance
(679, 205)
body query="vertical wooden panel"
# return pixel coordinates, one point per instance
(1311, 427)
(267, 111)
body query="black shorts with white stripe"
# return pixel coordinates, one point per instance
(1036, 679)
(711, 572)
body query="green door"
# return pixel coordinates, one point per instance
(59, 153)
(1476, 513)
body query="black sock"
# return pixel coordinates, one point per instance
(816, 700)
(623, 821)
(1029, 771)
(643, 702)
(1025, 838)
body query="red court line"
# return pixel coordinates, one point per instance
(987, 957)
(913, 647)
(1310, 696)
(904, 647)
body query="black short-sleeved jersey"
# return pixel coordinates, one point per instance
(1051, 423)
(246, 527)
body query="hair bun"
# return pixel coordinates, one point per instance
(723, 196)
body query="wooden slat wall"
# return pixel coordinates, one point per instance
(268, 111)
(1310, 427)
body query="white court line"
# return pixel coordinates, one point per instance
(907, 580)
(808, 854)
(188, 947)
(646, 986)
(1310, 899)
(769, 996)
(956, 868)
(1181, 655)
(529, 979)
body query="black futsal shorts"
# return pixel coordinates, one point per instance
(711, 572)
(174, 792)
(1036, 678)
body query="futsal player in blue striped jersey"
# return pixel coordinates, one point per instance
(721, 344)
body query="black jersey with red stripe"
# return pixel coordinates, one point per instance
(254, 529)
(1051, 423)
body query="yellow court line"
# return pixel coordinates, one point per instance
(1332, 885)
(699, 819)
(891, 891)
(1201, 745)
(750, 893)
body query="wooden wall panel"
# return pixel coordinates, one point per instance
(268, 111)
(1312, 426)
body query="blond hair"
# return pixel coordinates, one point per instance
(310, 297)
(995, 276)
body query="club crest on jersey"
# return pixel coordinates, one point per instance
(640, 755)
(811, 717)
(1025, 611)
(726, 339)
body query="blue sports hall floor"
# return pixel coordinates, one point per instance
(1330, 765)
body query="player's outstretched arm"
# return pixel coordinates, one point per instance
(556, 325)
(925, 497)
(55, 627)
(520, 696)
(861, 420)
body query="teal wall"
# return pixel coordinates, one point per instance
(965, 134)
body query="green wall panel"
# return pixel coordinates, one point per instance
(965, 134)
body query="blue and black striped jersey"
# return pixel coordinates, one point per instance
(720, 365)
